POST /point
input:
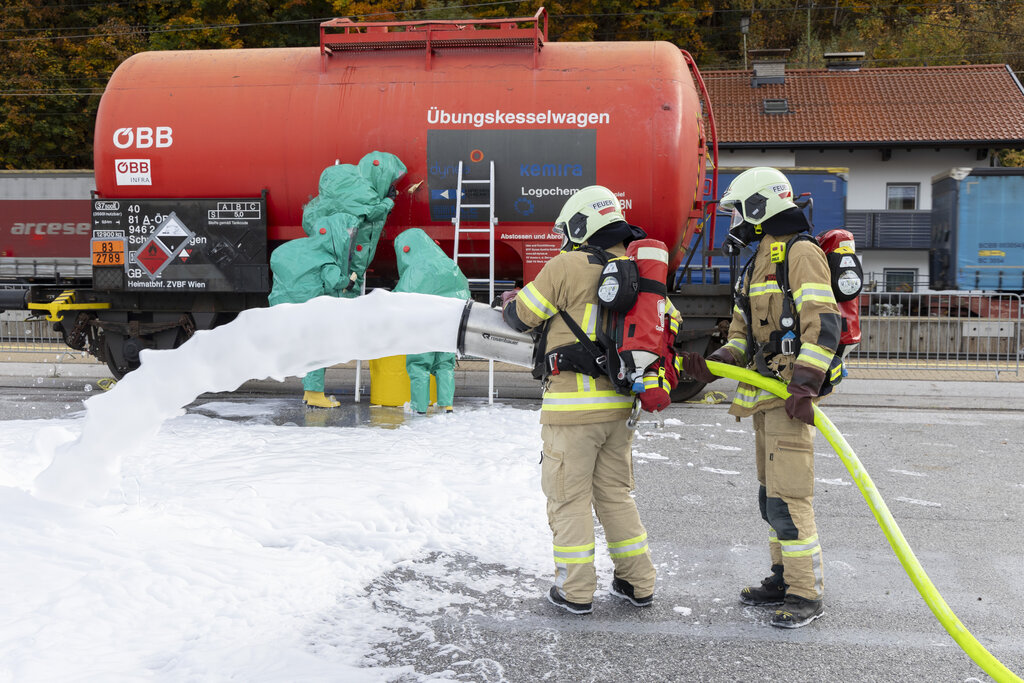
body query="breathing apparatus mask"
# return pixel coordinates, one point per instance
(754, 196)
(741, 234)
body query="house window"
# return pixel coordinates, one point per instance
(900, 279)
(901, 196)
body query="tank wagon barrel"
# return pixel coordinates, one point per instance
(231, 143)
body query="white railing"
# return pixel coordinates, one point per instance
(974, 331)
(21, 334)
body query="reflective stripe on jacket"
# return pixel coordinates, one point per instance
(568, 282)
(818, 315)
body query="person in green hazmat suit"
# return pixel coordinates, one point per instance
(343, 224)
(365, 191)
(425, 269)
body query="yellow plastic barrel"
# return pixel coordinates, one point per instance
(389, 382)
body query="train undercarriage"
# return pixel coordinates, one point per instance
(116, 328)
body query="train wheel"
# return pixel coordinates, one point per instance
(684, 391)
(122, 355)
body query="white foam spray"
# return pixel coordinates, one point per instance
(287, 340)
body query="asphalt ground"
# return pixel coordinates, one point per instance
(945, 455)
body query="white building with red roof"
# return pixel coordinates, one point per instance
(893, 128)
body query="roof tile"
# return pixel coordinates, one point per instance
(913, 105)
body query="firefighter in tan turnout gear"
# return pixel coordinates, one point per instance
(792, 339)
(587, 457)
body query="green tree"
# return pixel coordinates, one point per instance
(54, 64)
(56, 57)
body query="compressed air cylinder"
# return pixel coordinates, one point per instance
(643, 328)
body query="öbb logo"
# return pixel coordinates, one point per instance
(133, 171)
(143, 137)
(133, 166)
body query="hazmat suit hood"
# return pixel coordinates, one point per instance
(341, 189)
(424, 268)
(360, 190)
(381, 170)
(312, 266)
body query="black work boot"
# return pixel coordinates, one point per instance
(624, 589)
(556, 599)
(797, 612)
(772, 590)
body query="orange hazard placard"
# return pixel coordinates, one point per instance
(108, 252)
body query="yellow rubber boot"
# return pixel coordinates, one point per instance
(317, 399)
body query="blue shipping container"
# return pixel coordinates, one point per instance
(828, 190)
(977, 241)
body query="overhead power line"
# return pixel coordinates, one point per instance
(49, 93)
(152, 30)
(207, 27)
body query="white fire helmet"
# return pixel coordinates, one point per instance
(587, 211)
(756, 195)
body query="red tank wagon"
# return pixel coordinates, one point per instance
(243, 135)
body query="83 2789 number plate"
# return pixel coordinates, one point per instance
(108, 252)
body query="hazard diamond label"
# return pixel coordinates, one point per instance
(172, 233)
(152, 257)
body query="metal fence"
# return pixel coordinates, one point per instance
(20, 334)
(26, 332)
(963, 331)
(959, 331)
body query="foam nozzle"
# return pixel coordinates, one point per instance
(484, 334)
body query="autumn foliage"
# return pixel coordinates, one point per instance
(56, 57)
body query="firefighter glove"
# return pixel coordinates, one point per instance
(655, 400)
(696, 367)
(655, 397)
(508, 296)
(804, 387)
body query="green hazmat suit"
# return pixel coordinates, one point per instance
(424, 268)
(314, 266)
(343, 224)
(363, 191)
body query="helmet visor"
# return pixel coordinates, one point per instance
(737, 218)
(560, 228)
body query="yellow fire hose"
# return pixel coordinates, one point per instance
(975, 650)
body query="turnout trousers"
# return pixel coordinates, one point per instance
(587, 467)
(785, 469)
